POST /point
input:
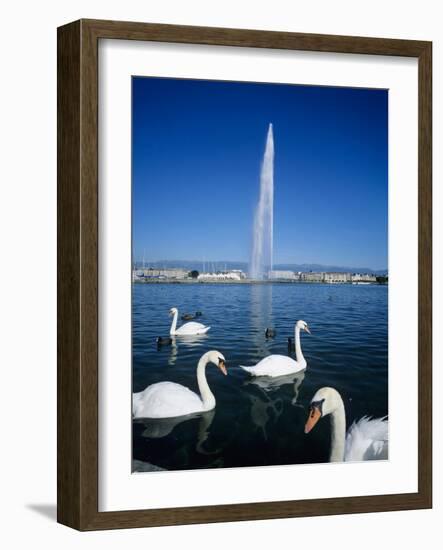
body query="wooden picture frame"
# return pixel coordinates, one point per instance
(78, 273)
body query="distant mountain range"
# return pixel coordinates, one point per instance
(222, 265)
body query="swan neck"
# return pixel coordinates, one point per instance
(298, 351)
(338, 433)
(174, 324)
(206, 395)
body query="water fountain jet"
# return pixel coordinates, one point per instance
(262, 244)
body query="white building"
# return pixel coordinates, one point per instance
(286, 275)
(154, 273)
(311, 277)
(337, 277)
(241, 273)
(363, 278)
(234, 275)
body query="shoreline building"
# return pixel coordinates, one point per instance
(312, 277)
(180, 274)
(153, 273)
(283, 275)
(337, 277)
(233, 275)
(363, 278)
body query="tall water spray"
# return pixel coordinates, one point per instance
(262, 244)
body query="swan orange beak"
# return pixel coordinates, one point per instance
(313, 418)
(222, 367)
(307, 330)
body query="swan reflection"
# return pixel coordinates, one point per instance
(193, 341)
(265, 408)
(270, 384)
(140, 466)
(157, 428)
(204, 432)
(266, 401)
(188, 342)
(174, 352)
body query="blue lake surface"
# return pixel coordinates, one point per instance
(258, 421)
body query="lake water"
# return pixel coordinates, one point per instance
(258, 422)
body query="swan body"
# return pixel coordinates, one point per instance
(168, 399)
(281, 365)
(190, 328)
(273, 366)
(165, 400)
(366, 439)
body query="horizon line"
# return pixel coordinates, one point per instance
(172, 260)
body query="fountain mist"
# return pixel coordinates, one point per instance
(261, 258)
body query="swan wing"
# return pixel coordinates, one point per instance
(165, 400)
(367, 439)
(192, 328)
(274, 365)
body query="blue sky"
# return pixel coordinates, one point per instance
(197, 150)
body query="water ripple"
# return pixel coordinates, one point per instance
(253, 424)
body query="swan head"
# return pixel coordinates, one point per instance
(324, 402)
(217, 358)
(303, 325)
(173, 311)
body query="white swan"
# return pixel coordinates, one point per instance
(280, 365)
(187, 328)
(366, 439)
(167, 399)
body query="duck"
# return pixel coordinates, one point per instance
(366, 439)
(187, 317)
(281, 365)
(169, 400)
(163, 341)
(190, 316)
(270, 332)
(186, 329)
